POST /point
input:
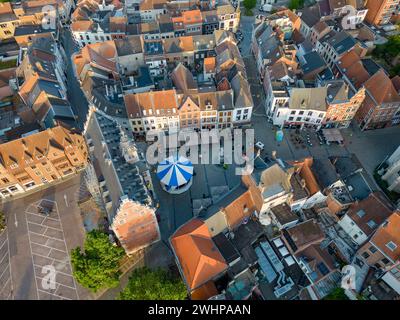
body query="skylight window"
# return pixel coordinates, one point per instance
(391, 245)
(371, 224)
(361, 213)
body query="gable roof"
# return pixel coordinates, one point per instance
(389, 232)
(375, 208)
(199, 258)
(182, 78)
(381, 88)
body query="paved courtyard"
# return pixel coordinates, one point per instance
(175, 210)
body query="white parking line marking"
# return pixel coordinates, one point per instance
(7, 255)
(53, 294)
(45, 226)
(60, 251)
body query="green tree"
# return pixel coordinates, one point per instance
(296, 4)
(337, 294)
(249, 4)
(98, 266)
(2, 221)
(145, 284)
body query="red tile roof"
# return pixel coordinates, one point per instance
(199, 258)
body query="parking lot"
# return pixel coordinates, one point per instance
(5, 268)
(42, 228)
(48, 248)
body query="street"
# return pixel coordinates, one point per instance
(75, 95)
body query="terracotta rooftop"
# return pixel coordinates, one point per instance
(81, 26)
(387, 237)
(396, 83)
(369, 213)
(320, 26)
(242, 207)
(199, 258)
(307, 174)
(305, 233)
(354, 69)
(381, 88)
(153, 100)
(20, 152)
(192, 16)
(209, 64)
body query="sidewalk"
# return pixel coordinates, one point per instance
(40, 188)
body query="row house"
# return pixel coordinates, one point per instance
(154, 57)
(228, 17)
(392, 172)
(210, 21)
(334, 45)
(343, 104)
(309, 17)
(154, 110)
(25, 34)
(269, 50)
(151, 9)
(381, 106)
(381, 11)
(88, 32)
(296, 106)
(42, 86)
(192, 21)
(364, 217)
(129, 54)
(382, 250)
(338, 9)
(39, 159)
(94, 22)
(14, 14)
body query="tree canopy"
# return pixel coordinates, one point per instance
(390, 54)
(296, 4)
(146, 284)
(2, 221)
(337, 294)
(97, 266)
(249, 4)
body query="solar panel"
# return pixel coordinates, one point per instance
(266, 267)
(289, 260)
(283, 251)
(272, 256)
(278, 242)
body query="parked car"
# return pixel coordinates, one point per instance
(266, 8)
(259, 145)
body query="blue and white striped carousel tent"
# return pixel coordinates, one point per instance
(175, 171)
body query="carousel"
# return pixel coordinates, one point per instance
(175, 174)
